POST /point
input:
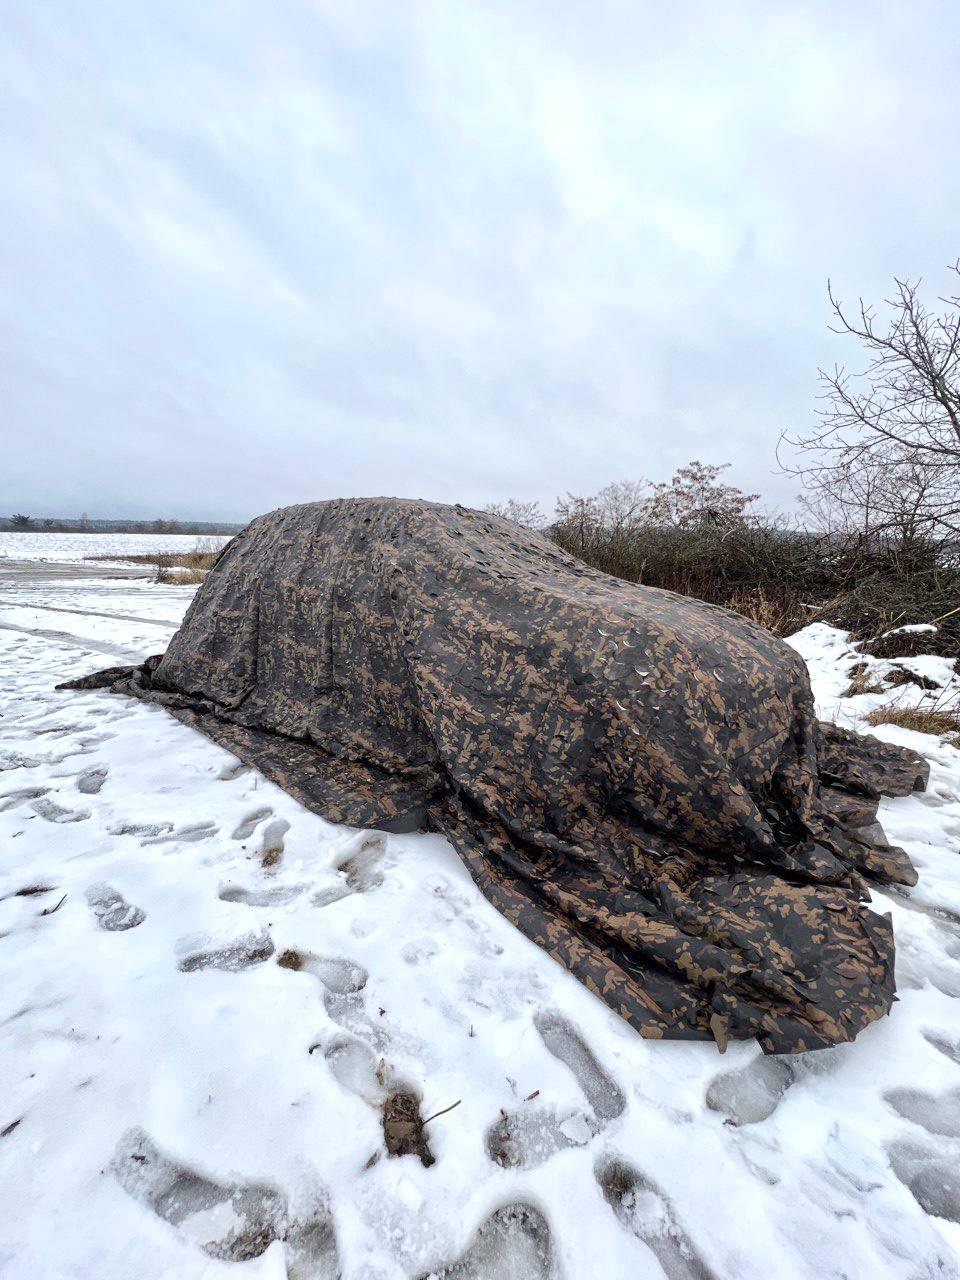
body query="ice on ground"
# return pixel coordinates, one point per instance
(196, 1049)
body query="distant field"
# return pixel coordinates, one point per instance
(75, 548)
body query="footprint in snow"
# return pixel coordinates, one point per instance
(361, 864)
(448, 905)
(907, 898)
(232, 769)
(231, 954)
(514, 1243)
(521, 1140)
(10, 760)
(184, 835)
(10, 799)
(342, 982)
(250, 823)
(944, 1044)
(112, 911)
(52, 812)
(648, 1213)
(54, 730)
(339, 977)
(331, 894)
(855, 1182)
(231, 1221)
(141, 828)
(917, 967)
(354, 1066)
(529, 1135)
(930, 1175)
(91, 780)
(421, 951)
(750, 1094)
(271, 846)
(277, 896)
(359, 869)
(603, 1094)
(939, 1114)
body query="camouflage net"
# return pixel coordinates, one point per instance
(635, 779)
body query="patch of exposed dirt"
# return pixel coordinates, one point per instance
(403, 1128)
(32, 890)
(900, 643)
(903, 675)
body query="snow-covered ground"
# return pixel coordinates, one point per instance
(176, 1103)
(75, 548)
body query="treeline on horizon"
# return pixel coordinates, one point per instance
(21, 523)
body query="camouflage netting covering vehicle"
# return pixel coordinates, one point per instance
(633, 778)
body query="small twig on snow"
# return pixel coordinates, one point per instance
(440, 1113)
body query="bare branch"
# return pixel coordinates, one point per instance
(885, 449)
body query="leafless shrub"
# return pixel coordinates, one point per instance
(523, 513)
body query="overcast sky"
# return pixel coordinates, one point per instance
(263, 252)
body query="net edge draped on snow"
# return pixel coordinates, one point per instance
(633, 778)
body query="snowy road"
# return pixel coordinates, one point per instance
(207, 993)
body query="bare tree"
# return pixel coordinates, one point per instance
(884, 456)
(524, 513)
(613, 510)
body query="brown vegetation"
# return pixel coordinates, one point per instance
(930, 719)
(173, 566)
(780, 576)
(403, 1128)
(187, 566)
(861, 684)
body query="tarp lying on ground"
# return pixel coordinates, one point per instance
(630, 776)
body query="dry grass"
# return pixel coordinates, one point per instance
(170, 573)
(187, 566)
(780, 614)
(905, 644)
(861, 683)
(937, 720)
(174, 566)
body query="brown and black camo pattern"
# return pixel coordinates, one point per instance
(630, 776)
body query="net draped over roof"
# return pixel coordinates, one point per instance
(635, 779)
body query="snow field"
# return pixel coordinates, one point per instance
(208, 993)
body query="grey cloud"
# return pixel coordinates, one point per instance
(256, 254)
